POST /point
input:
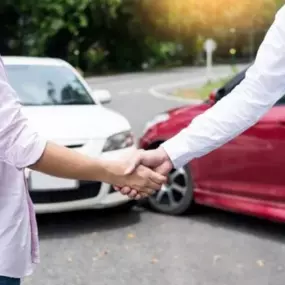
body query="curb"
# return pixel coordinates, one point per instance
(157, 91)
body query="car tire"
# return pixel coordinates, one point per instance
(176, 197)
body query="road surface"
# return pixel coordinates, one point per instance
(133, 93)
(143, 248)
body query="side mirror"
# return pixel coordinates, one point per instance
(103, 96)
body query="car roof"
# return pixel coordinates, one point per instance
(27, 60)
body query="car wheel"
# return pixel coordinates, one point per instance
(176, 196)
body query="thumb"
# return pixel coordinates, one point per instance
(163, 168)
(134, 162)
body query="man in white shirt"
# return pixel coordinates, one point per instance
(263, 85)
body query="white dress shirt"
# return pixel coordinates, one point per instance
(263, 85)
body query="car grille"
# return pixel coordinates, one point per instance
(112, 190)
(86, 190)
(74, 146)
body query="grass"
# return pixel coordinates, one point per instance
(203, 91)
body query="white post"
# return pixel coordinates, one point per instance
(209, 65)
(209, 46)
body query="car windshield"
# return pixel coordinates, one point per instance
(228, 87)
(38, 85)
(281, 101)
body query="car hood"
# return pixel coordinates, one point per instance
(75, 122)
(179, 110)
(188, 110)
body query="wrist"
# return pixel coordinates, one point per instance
(100, 170)
(110, 173)
(164, 155)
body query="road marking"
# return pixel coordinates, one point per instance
(124, 92)
(160, 94)
(117, 81)
(157, 91)
(129, 92)
(114, 82)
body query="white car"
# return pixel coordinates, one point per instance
(61, 107)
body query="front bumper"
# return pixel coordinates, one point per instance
(104, 199)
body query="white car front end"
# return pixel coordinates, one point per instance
(87, 128)
(51, 194)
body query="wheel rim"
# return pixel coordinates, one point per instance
(172, 194)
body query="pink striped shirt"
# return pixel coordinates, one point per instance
(20, 146)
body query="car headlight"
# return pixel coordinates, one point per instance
(156, 120)
(119, 141)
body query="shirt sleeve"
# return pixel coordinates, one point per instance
(263, 85)
(20, 145)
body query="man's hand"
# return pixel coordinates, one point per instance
(142, 180)
(63, 162)
(157, 160)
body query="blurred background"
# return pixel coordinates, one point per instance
(107, 36)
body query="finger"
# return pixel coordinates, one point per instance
(144, 195)
(147, 191)
(152, 185)
(151, 192)
(117, 188)
(138, 197)
(157, 177)
(133, 193)
(125, 190)
(163, 168)
(134, 162)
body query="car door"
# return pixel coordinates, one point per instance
(250, 165)
(267, 168)
(214, 171)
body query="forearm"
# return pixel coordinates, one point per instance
(62, 162)
(227, 119)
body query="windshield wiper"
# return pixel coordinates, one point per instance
(74, 102)
(37, 104)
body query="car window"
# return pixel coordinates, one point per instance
(228, 87)
(38, 85)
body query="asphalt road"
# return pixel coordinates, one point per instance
(140, 247)
(133, 93)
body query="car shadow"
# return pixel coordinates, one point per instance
(70, 224)
(238, 222)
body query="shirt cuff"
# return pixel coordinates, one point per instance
(32, 153)
(39, 147)
(178, 151)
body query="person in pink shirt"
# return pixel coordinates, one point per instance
(21, 147)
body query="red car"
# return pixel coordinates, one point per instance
(246, 175)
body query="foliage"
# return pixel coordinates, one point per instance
(181, 18)
(124, 35)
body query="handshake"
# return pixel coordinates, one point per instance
(143, 173)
